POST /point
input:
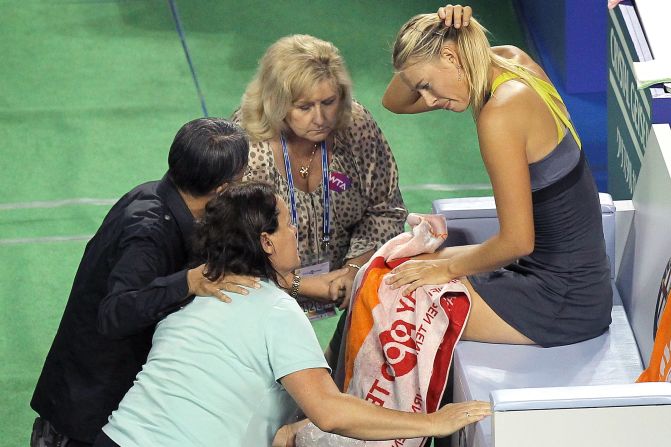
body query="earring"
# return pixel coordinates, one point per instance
(459, 73)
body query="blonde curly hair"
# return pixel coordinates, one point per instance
(292, 67)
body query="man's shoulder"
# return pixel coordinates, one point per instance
(142, 211)
(145, 203)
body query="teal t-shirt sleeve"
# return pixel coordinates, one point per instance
(291, 341)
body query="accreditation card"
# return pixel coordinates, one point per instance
(315, 310)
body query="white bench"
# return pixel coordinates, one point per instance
(578, 395)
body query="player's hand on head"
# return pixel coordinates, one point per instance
(455, 15)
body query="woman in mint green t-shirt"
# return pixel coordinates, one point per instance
(232, 374)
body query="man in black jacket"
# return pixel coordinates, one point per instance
(133, 273)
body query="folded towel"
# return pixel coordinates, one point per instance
(657, 71)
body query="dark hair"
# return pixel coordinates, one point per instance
(206, 153)
(228, 238)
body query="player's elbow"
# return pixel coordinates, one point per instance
(517, 245)
(523, 246)
(388, 104)
(395, 105)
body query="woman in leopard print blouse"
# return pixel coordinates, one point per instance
(296, 110)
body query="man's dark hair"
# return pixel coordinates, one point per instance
(206, 153)
(228, 237)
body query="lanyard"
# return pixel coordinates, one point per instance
(326, 194)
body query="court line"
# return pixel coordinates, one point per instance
(182, 37)
(45, 204)
(45, 239)
(48, 204)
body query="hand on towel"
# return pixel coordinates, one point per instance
(286, 435)
(420, 273)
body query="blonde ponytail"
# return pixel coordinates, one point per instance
(422, 37)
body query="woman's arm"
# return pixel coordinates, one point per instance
(333, 287)
(444, 253)
(502, 131)
(335, 412)
(402, 98)
(377, 170)
(340, 290)
(318, 287)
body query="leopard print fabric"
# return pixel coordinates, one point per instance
(367, 213)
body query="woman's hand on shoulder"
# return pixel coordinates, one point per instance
(198, 284)
(455, 15)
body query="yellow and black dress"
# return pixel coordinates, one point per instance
(561, 293)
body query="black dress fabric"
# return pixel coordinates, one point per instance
(560, 294)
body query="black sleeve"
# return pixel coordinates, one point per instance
(143, 288)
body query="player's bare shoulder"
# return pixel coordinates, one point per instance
(518, 56)
(512, 53)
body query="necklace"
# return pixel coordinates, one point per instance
(304, 171)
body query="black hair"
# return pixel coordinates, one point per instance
(228, 237)
(206, 153)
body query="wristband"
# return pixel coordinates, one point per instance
(294, 286)
(354, 266)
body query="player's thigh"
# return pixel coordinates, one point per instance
(486, 326)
